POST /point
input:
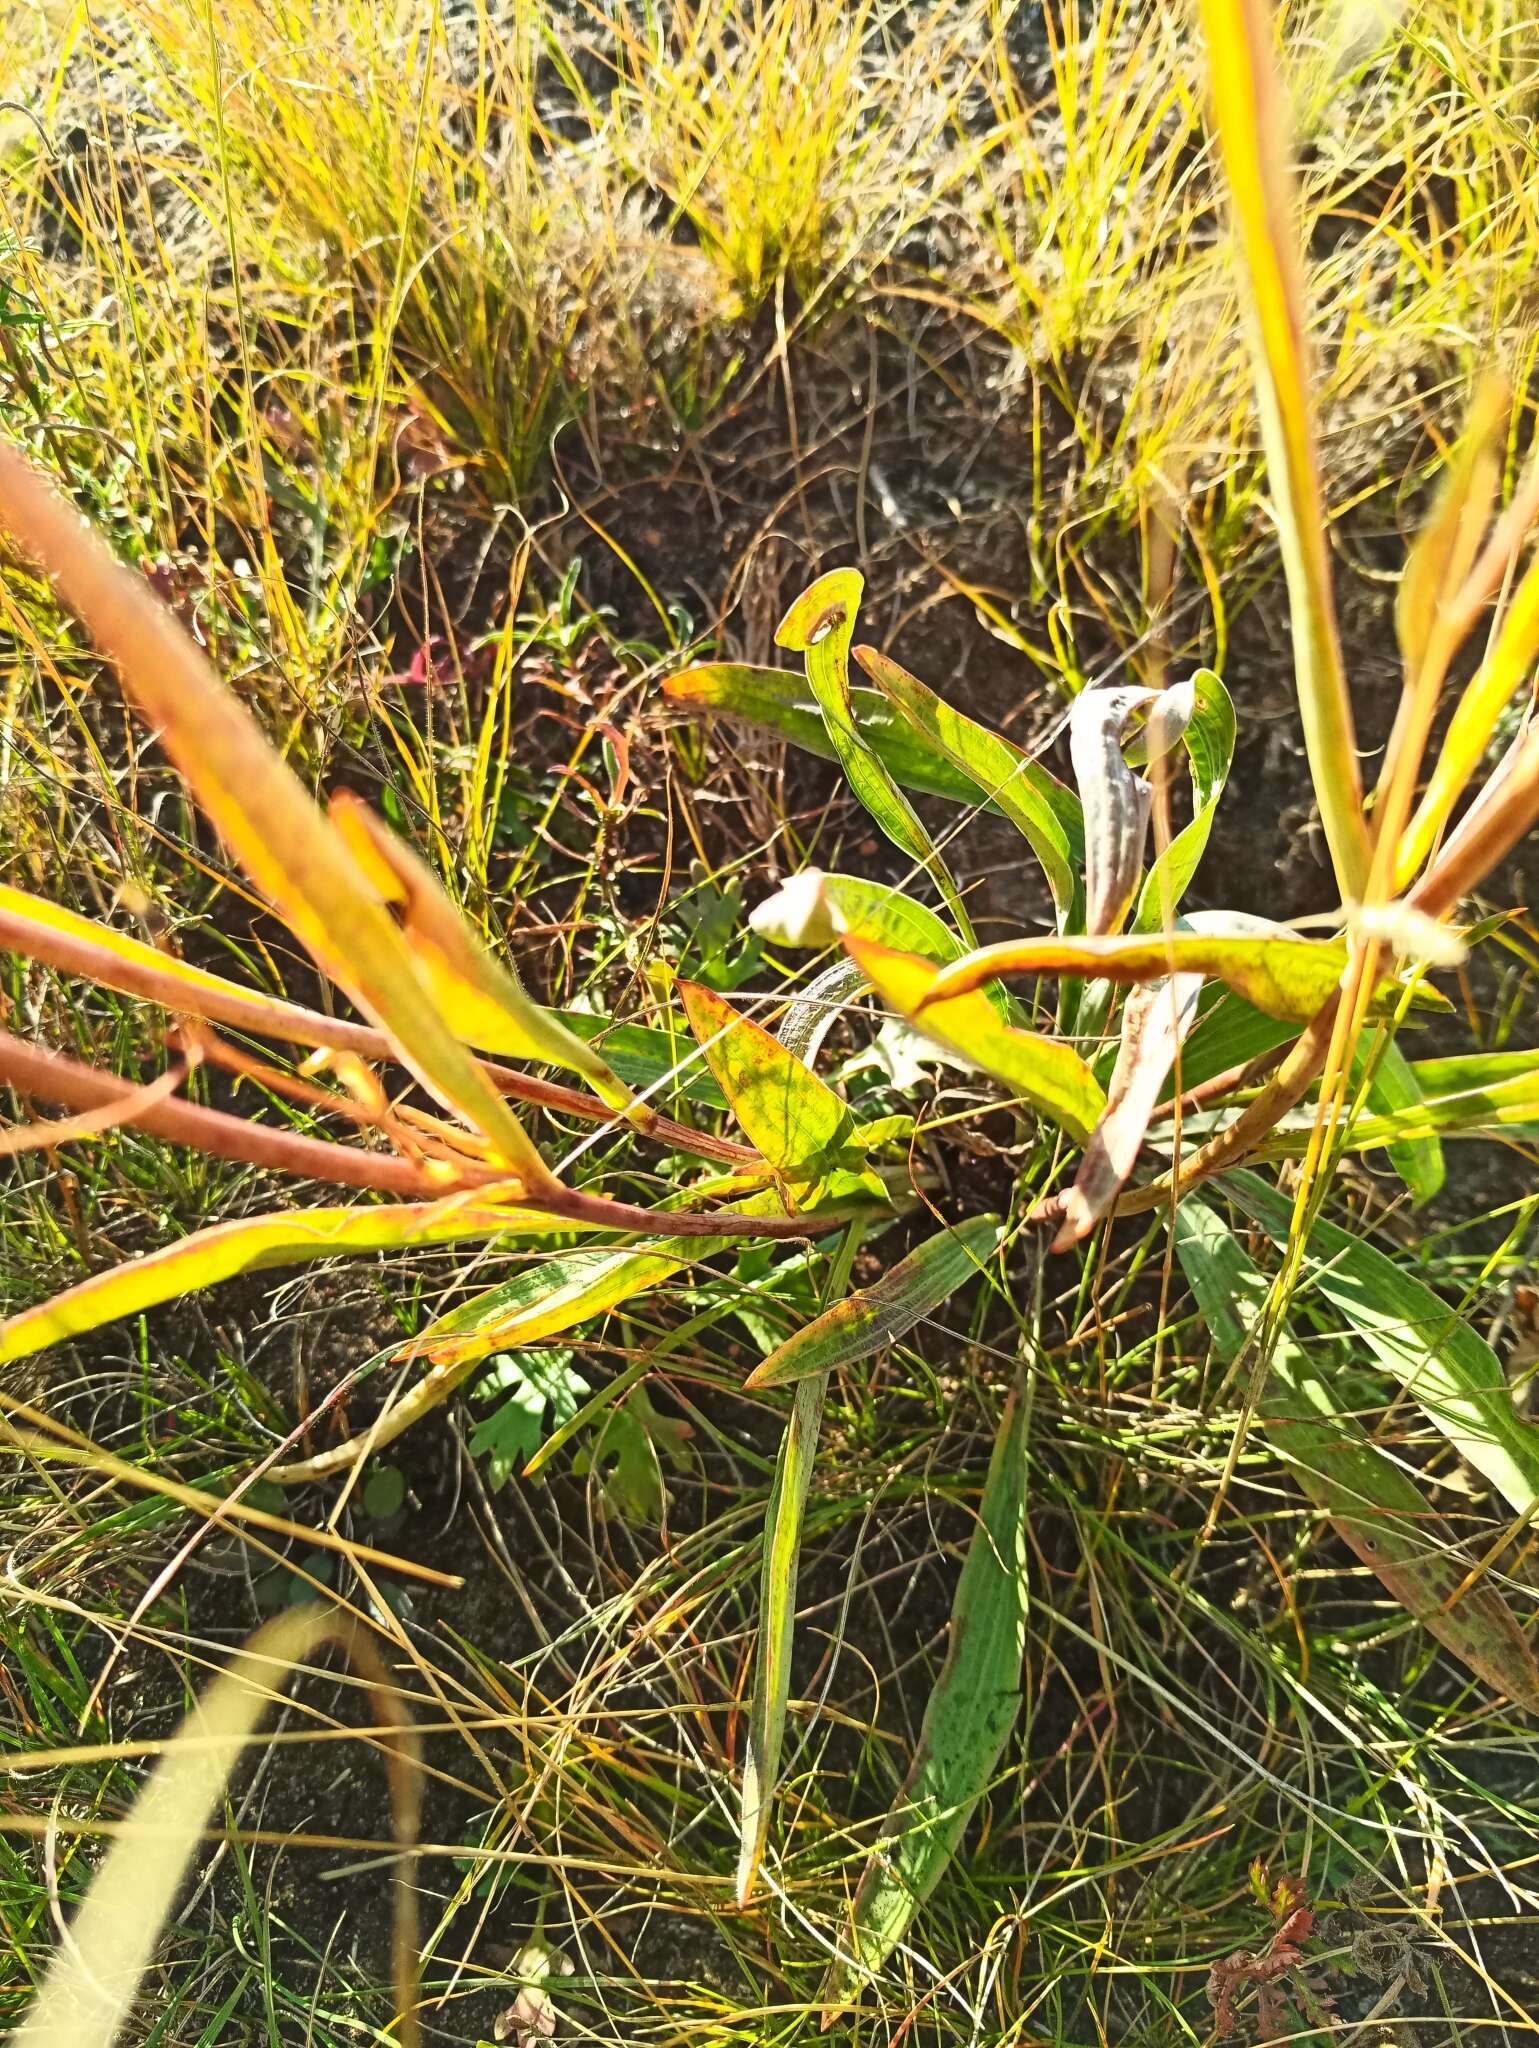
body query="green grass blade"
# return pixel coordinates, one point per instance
(1209, 740)
(1374, 1504)
(777, 1616)
(879, 1315)
(782, 703)
(795, 1119)
(1446, 1367)
(1249, 117)
(1043, 810)
(1043, 1071)
(974, 1706)
(819, 627)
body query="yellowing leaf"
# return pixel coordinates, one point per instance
(795, 1119)
(819, 627)
(488, 1006)
(1044, 1071)
(1250, 120)
(1474, 722)
(1283, 976)
(880, 1314)
(252, 1245)
(290, 850)
(93, 1981)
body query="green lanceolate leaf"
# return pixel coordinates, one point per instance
(795, 1119)
(1209, 738)
(1043, 1071)
(1393, 1091)
(777, 1615)
(1043, 809)
(879, 1315)
(1282, 975)
(814, 910)
(1447, 1368)
(819, 627)
(782, 703)
(252, 1245)
(975, 1704)
(1374, 1503)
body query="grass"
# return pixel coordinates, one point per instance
(359, 330)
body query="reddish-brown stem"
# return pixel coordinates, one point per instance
(1245, 1075)
(270, 1017)
(1299, 1067)
(52, 1077)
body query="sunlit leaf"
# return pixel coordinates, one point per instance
(782, 703)
(971, 1712)
(1250, 120)
(1470, 732)
(1444, 551)
(813, 910)
(1283, 975)
(291, 851)
(819, 627)
(252, 1245)
(1373, 1502)
(880, 1314)
(1445, 1365)
(792, 1116)
(1045, 812)
(541, 1301)
(483, 997)
(1044, 1071)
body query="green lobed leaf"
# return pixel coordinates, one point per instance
(879, 1315)
(1373, 1502)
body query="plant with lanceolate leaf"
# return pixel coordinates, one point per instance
(1204, 1043)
